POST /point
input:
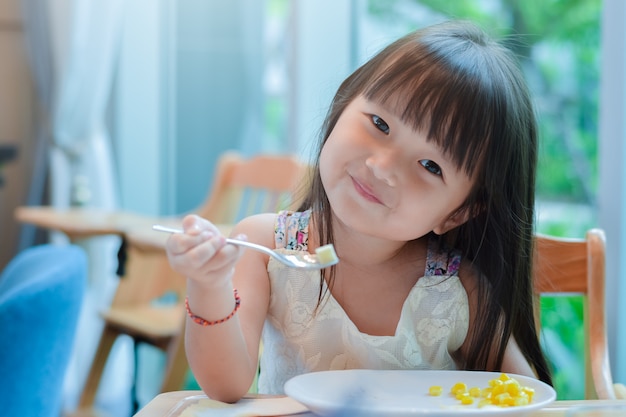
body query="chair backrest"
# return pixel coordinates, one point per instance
(260, 184)
(241, 187)
(41, 292)
(577, 266)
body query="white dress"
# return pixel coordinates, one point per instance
(300, 337)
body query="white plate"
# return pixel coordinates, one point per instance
(365, 393)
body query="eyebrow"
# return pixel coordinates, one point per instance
(445, 159)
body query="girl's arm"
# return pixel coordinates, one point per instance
(514, 361)
(223, 356)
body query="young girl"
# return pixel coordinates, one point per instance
(424, 183)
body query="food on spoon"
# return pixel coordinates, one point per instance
(327, 255)
(503, 391)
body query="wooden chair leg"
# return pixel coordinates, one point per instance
(105, 345)
(176, 368)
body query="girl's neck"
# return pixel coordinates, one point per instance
(374, 278)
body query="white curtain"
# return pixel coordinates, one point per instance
(73, 47)
(39, 51)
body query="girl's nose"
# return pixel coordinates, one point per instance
(384, 165)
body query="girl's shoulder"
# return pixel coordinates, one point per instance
(258, 228)
(468, 274)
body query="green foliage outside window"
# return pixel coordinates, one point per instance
(557, 43)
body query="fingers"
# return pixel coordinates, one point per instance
(180, 243)
(201, 250)
(194, 224)
(196, 231)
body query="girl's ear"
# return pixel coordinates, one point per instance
(455, 219)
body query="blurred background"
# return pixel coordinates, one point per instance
(128, 104)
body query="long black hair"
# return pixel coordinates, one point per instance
(467, 91)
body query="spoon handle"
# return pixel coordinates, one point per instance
(166, 229)
(268, 251)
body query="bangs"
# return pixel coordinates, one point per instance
(444, 95)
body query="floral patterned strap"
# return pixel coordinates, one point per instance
(292, 229)
(441, 260)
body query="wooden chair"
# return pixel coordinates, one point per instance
(241, 187)
(577, 266)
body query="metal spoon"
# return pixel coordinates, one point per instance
(324, 257)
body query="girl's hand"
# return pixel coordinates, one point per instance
(201, 253)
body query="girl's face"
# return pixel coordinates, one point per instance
(386, 180)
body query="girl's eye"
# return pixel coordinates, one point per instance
(430, 166)
(380, 124)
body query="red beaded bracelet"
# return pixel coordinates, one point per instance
(202, 322)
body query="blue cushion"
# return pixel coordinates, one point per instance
(41, 292)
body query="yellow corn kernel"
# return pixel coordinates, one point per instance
(512, 387)
(466, 399)
(503, 391)
(484, 402)
(458, 388)
(530, 392)
(475, 392)
(501, 398)
(495, 382)
(435, 390)
(497, 390)
(521, 401)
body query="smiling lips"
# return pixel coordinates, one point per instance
(365, 192)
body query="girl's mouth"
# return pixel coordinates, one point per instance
(365, 192)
